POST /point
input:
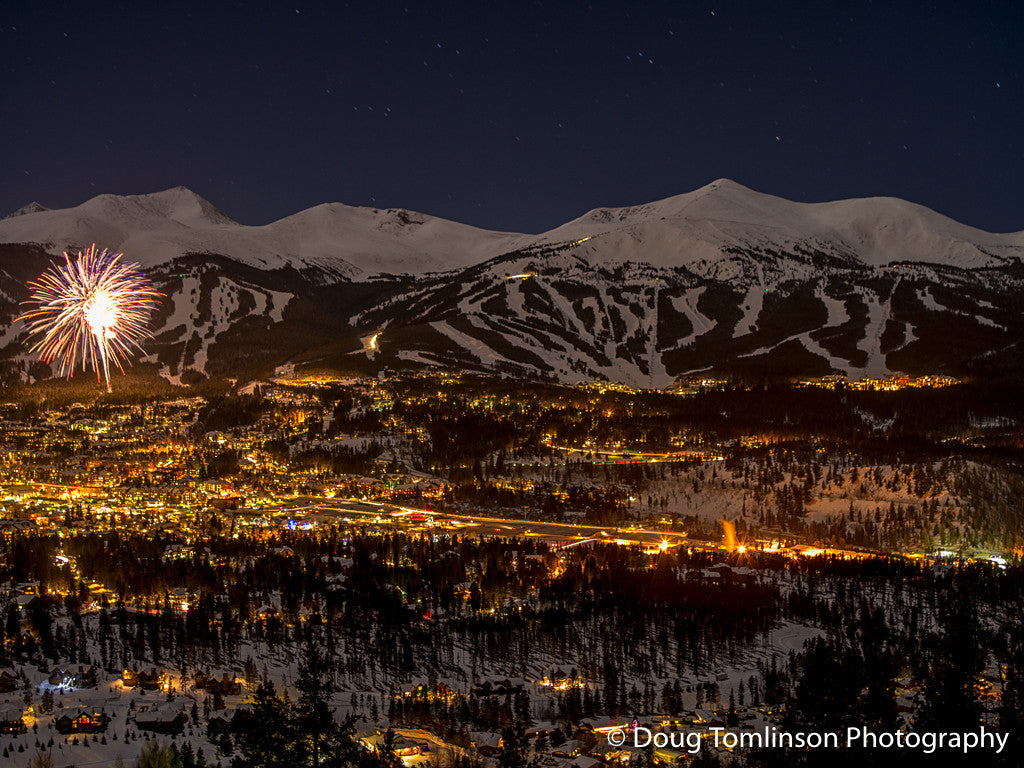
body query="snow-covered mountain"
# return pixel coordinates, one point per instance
(720, 278)
(331, 242)
(698, 228)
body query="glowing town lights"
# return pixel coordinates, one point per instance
(664, 545)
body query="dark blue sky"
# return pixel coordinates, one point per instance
(513, 116)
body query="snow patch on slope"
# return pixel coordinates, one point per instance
(752, 304)
(700, 323)
(871, 343)
(924, 295)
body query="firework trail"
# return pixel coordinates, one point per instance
(91, 309)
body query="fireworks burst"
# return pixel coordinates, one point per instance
(92, 309)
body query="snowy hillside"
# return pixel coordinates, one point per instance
(556, 315)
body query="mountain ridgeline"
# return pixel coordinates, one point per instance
(722, 279)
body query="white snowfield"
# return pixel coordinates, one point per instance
(342, 241)
(345, 242)
(697, 225)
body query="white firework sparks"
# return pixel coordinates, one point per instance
(92, 310)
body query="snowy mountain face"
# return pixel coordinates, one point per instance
(721, 278)
(329, 243)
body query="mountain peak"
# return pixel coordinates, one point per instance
(179, 204)
(178, 193)
(705, 226)
(32, 207)
(723, 184)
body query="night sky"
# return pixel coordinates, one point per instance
(514, 116)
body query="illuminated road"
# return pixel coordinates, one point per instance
(331, 511)
(553, 532)
(634, 457)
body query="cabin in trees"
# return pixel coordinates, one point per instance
(167, 720)
(268, 617)
(73, 676)
(423, 691)
(81, 721)
(403, 746)
(723, 573)
(17, 525)
(560, 680)
(226, 685)
(219, 722)
(8, 681)
(708, 718)
(486, 743)
(179, 599)
(28, 588)
(226, 720)
(11, 722)
(148, 681)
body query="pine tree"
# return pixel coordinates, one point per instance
(513, 748)
(265, 739)
(1011, 713)
(950, 696)
(386, 752)
(314, 716)
(156, 755)
(320, 740)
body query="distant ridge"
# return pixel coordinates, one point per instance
(354, 243)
